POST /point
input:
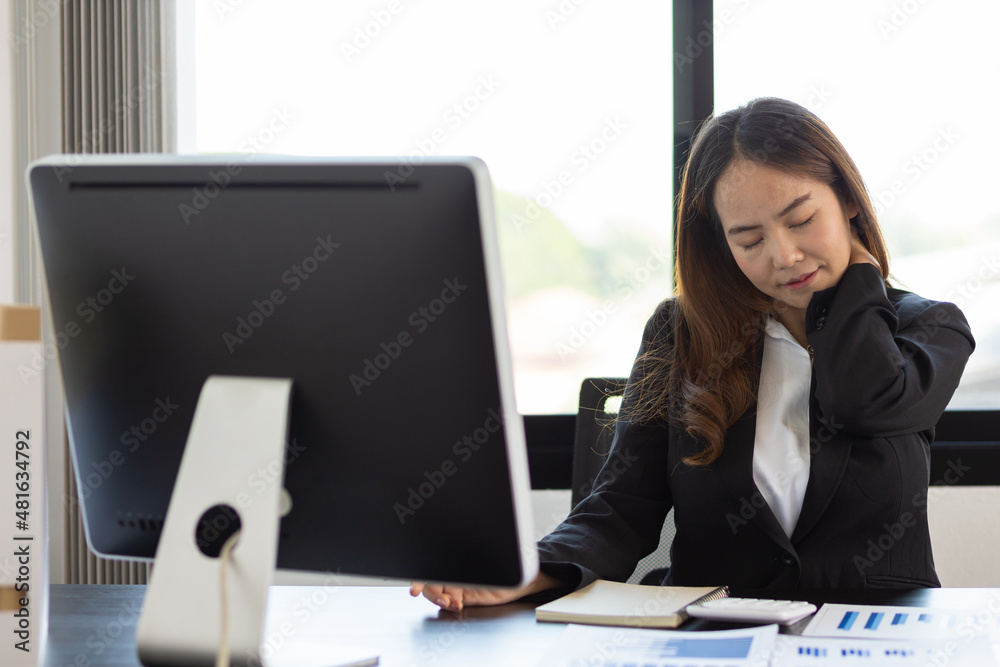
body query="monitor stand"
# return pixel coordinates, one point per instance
(240, 426)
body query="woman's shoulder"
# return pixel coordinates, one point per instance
(663, 320)
(918, 313)
(910, 306)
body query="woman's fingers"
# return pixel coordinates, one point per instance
(456, 598)
(446, 597)
(452, 598)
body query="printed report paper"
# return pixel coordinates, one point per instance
(846, 621)
(790, 651)
(587, 645)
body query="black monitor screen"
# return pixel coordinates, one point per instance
(372, 285)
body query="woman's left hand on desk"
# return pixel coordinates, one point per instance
(456, 598)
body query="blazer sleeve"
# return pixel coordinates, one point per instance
(881, 366)
(620, 521)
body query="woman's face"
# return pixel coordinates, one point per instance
(790, 235)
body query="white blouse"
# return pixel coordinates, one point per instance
(781, 446)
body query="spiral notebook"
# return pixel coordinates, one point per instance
(628, 605)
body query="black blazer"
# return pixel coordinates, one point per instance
(886, 363)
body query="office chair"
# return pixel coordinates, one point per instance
(600, 399)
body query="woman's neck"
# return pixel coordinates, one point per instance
(794, 320)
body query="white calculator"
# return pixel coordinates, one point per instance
(752, 610)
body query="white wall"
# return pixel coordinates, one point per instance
(965, 532)
(550, 508)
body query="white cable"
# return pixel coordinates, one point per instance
(222, 657)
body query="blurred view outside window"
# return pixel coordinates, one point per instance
(568, 103)
(912, 89)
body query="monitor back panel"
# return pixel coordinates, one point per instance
(372, 298)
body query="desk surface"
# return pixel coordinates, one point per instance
(94, 626)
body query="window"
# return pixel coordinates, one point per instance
(910, 89)
(569, 104)
(905, 84)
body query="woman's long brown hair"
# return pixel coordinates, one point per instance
(703, 374)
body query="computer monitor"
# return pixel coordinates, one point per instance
(373, 284)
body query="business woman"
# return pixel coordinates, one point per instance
(784, 400)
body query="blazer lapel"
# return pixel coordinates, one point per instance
(736, 468)
(829, 451)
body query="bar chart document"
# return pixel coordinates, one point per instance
(790, 651)
(845, 621)
(582, 646)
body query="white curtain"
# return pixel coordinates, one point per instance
(94, 76)
(116, 77)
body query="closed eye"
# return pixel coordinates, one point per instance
(804, 223)
(751, 246)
